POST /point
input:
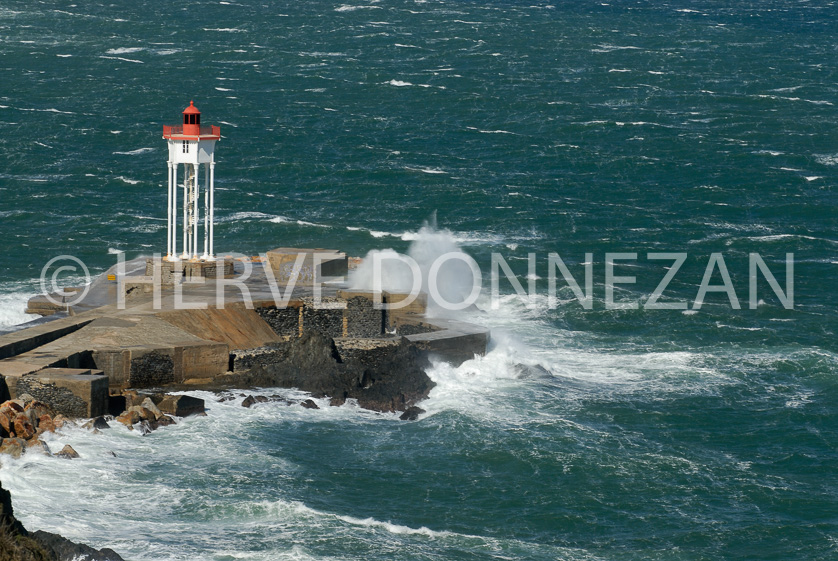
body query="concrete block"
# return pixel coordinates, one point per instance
(74, 392)
(332, 263)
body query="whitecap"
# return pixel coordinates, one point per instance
(399, 83)
(123, 59)
(136, 152)
(124, 50)
(348, 8)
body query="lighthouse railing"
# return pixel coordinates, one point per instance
(177, 130)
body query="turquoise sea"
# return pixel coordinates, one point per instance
(574, 127)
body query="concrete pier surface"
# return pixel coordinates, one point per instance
(153, 324)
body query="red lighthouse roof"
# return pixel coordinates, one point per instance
(191, 109)
(191, 128)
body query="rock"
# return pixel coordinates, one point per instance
(60, 421)
(151, 406)
(23, 428)
(6, 423)
(145, 414)
(45, 424)
(337, 401)
(13, 447)
(25, 398)
(248, 401)
(531, 371)
(60, 548)
(129, 418)
(386, 378)
(181, 405)
(97, 423)
(145, 428)
(68, 453)
(17, 407)
(411, 413)
(40, 445)
(309, 404)
(164, 421)
(40, 408)
(132, 397)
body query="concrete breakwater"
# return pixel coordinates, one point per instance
(184, 325)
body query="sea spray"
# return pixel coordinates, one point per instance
(447, 278)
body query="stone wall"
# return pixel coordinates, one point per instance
(362, 319)
(284, 321)
(61, 399)
(334, 317)
(150, 370)
(327, 318)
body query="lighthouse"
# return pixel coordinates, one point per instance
(192, 149)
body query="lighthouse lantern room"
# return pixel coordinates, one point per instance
(191, 145)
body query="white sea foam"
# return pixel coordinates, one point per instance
(124, 50)
(12, 306)
(124, 59)
(136, 152)
(350, 8)
(399, 83)
(250, 215)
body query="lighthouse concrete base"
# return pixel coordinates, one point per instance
(173, 272)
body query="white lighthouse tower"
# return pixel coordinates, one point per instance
(193, 146)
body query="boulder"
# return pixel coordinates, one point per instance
(248, 401)
(6, 423)
(151, 406)
(23, 428)
(45, 424)
(129, 418)
(12, 446)
(60, 420)
(163, 421)
(40, 445)
(97, 423)
(309, 404)
(68, 453)
(181, 405)
(411, 413)
(12, 404)
(145, 414)
(40, 408)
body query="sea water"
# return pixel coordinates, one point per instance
(582, 129)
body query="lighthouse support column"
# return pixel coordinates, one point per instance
(212, 210)
(174, 212)
(206, 213)
(185, 213)
(169, 217)
(195, 196)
